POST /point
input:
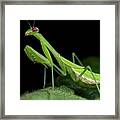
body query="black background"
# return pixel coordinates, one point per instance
(66, 36)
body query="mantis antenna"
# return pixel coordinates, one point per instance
(29, 24)
(34, 23)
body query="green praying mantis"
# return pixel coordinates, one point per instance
(78, 73)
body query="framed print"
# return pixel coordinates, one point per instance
(60, 60)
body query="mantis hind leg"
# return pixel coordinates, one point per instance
(89, 68)
(75, 56)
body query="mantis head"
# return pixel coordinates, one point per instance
(31, 31)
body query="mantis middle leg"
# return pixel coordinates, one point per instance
(44, 77)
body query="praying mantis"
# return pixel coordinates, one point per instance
(78, 73)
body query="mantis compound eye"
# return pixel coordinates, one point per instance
(35, 29)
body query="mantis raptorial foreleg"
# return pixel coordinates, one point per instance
(36, 57)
